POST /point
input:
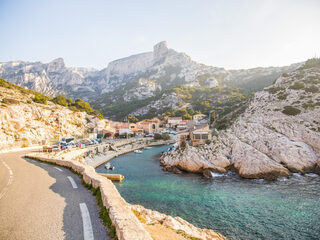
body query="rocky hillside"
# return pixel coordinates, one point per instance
(136, 78)
(279, 133)
(24, 121)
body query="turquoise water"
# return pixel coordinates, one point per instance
(237, 208)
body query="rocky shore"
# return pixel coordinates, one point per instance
(279, 134)
(150, 218)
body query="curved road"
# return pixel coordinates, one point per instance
(42, 201)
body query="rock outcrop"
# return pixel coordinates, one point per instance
(279, 134)
(151, 217)
(24, 122)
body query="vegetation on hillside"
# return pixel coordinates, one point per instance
(223, 100)
(78, 105)
(38, 97)
(310, 63)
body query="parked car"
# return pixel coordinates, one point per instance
(55, 148)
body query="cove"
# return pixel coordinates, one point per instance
(235, 207)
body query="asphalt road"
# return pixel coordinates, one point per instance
(42, 201)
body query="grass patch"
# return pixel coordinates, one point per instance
(104, 212)
(292, 111)
(139, 216)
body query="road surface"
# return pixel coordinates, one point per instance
(43, 201)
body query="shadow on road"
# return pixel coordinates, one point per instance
(72, 220)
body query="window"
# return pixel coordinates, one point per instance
(204, 136)
(196, 136)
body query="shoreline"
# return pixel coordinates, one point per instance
(108, 157)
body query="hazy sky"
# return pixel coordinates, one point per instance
(225, 33)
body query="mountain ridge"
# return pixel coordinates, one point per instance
(137, 77)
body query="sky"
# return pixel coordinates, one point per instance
(233, 34)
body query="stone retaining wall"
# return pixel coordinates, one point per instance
(127, 225)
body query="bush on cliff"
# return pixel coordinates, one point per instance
(289, 110)
(297, 86)
(39, 98)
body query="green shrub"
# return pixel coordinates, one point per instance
(297, 86)
(164, 136)
(9, 101)
(157, 136)
(39, 98)
(62, 100)
(310, 63)
(289, 110)
(312, 89)
(274, 90)
(285, 75)
(282, 96)
(132, 118)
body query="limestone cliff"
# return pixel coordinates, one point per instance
(278, 134)
(24, 122)
(125, 79)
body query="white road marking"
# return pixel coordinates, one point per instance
(3, 192)
(59, 169)
(73, 183)
(86, 222)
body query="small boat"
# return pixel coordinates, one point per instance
(108, 166)
(137, 151)
(147, 147)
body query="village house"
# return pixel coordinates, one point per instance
(173, 122)
(182, 125)
(127, 128)
(200, 136)
(148, 127)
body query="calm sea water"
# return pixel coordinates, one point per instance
(237, 208)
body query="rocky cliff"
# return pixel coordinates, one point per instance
(24, 122)
(137, 77)
(279, 133)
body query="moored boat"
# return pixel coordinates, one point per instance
(108, 166)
